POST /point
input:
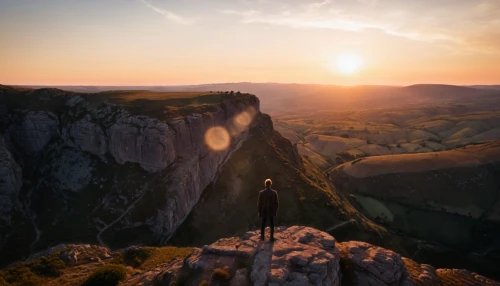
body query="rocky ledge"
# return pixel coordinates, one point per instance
(300, 256)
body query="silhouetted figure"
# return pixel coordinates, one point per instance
(268, 208)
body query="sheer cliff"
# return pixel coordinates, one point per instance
(114, 168)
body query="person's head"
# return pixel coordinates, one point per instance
(268, 183)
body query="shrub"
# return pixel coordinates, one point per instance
(345, 135)
(48, 266)
(110, 274)
(204, 283)
(21, 275)
(135, 256)
(118, 259)
(221, 274)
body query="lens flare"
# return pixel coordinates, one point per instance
(217, 138)
(242, 121)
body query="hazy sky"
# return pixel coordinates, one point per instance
(147, 42)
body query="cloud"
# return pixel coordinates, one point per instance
(286, 18)
(170, 15)
(460, 24)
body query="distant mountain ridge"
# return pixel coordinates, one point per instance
(280, 97)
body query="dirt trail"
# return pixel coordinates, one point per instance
(130, 207)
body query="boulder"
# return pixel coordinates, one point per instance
(371, 265)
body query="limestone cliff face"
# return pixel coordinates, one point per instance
(10, 184)
(33, 131)
(113, 166)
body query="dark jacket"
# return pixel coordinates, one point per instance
(268, 203)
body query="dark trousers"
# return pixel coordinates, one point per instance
(263, 225)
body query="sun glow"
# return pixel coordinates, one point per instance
(348, 64)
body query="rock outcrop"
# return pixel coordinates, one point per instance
(305, 256)
(300, 256)
(372, 265)
(34, 130)
(366, 264)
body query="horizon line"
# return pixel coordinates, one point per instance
(243, 82)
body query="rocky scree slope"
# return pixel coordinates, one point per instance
(114, 168)
(300, 256)
(451, 197)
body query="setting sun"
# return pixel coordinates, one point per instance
(348, 64)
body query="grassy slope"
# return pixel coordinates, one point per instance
(436, 200)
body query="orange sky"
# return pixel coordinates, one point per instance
(154, 42)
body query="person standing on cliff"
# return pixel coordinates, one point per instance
(267, 206)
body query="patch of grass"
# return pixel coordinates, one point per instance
(164, 254)
(32, 272)
(221, 274)
(51, 266)
(110, 274)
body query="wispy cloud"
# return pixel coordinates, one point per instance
(468, 25)
(304, 20)
(170, 15)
